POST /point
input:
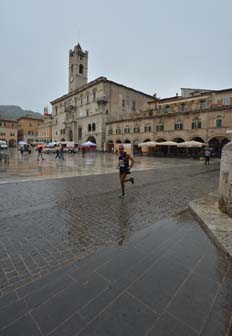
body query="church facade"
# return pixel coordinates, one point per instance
(82, 113)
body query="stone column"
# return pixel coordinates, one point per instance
(225, 182)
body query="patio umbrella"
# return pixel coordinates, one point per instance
(191, 143)
(167, 143)
(88, 143)
(148, 144)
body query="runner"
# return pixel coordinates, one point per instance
(124, 169)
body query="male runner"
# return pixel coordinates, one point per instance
(125, 163)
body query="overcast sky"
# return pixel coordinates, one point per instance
(150, 45)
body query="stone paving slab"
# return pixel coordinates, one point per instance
(46, 225)
(99, 295)
(217, 224)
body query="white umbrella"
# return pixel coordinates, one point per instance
(167, 143)
(88, 143)
(148, 144)
(191, 143)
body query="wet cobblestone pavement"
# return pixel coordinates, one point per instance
(76, 259)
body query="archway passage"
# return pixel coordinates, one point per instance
(118, 141)
(110, 146)
(127, 141)
(12, 143)
(147, 140)
(92, 139)
(199, 139)
(216, 145)
(161, 140)
(62, 139)
(178, 140)
(136, 148)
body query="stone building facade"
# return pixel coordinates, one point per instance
(27, 128)
(9, 131)
(82, 114)
(202, 115)
(44, 130)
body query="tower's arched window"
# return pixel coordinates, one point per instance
(93, 126)
(89, 127)
(72, 68)
(81, 69)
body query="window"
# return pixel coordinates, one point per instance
(226, 101)
(137, 129)
(183, 107)
(202, 104)
(127, 130)
(94, 95)
(87, 98)
(56, 109)
(167, 109)
(159, 128)
(178, 125)
(94, 127)
(110, 131)
(219, 119)
(81, 69)
(118, 131)
(123, 103)
(72, 68)
(81, 100)
(196, 123)
(30, 124)
(89, 128)
(133, 105)
(147, 128)
(218, 123)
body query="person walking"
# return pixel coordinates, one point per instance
(207, 156)
(62, 152)
(40, 154)
(125, 163)
(57, 152)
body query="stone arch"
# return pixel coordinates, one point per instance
(178, 140)
(217, 143)
(62, 139)
(12, 143)
(127, 141)
(146, 140)
(197, 138)
(161, 140)
(92, 139)
(118, 141)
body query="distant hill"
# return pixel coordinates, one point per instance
(15, 112)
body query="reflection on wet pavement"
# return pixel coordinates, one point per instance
(26, 167)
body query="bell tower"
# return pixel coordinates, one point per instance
(78, 68)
